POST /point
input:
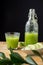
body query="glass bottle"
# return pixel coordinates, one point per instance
(31, 28)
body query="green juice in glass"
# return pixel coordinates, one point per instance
(12, 42)
(31, 38)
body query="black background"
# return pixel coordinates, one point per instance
(14, 14)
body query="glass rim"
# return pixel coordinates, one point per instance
(12, 33)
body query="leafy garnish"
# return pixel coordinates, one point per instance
(2, 55)
(37, 53)
(30, 60)
(16, 59)
(5, 61)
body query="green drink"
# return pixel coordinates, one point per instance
(31, 28)
(12, 40)
(31, 38)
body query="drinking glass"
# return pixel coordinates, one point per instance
(12, 39)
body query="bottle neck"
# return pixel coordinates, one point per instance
(32, 15)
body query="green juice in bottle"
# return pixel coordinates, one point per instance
(31, 38)
(31, 28)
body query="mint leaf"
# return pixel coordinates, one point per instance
(30, 60)
(2, 55)
(37, 53)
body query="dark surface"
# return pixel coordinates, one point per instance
(14, 14)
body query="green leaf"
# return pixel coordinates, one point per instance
(16, 58)
(17, 64)
(2, 55)
(13, 64)
(5, 61)
(37, 53)
(30, 60)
